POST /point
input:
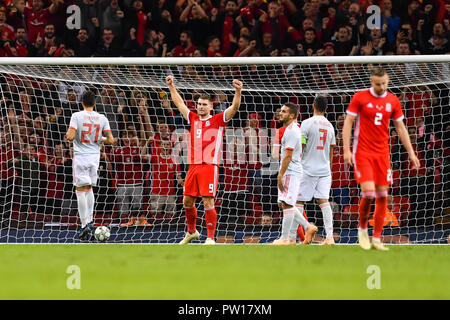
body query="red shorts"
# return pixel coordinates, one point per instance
(201, 180)
(373, 168)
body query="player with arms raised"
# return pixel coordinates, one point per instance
(372, 109)
(318, 134)
(205, 149)
(289, 178)
(86, 130)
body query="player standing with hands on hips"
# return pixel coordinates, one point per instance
(86, 130)
(372, 109)
(204, 154)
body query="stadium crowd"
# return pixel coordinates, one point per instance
(139, 176)
(239, 28)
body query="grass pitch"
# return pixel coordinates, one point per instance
(223, 272)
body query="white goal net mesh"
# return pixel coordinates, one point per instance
(139, 193)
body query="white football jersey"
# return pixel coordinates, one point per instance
(292, 140)
(90, 127)
(319, 135)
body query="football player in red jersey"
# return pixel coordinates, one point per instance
(372, 109)
(205, 149)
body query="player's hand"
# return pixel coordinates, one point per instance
(237, 85)
(415, 161)
(348, 158)
(169, 81)
(280, 183)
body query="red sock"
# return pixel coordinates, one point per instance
(301, 233)
(300, 230)
(380, 212)
(191, 218)
(211, 221)
(364, 208)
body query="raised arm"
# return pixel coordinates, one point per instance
(404, 138)
(231, 111)
(176, 98)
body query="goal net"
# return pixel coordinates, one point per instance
(139, 191)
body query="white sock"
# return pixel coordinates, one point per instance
(90, 200)
(327, 214)
(299, 218)
(297, 221)
(288, 220)
(82, 207)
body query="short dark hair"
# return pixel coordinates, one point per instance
(205, 96)
(378, 72)
(321, 103)
(88, 99)
(293, 108)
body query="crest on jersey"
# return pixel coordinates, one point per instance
(379, 107)
(388, 107)
(207, 123)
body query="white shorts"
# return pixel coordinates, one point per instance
(85, 169)
(291, 188)
(317, 187)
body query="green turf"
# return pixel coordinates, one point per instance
(223, 272)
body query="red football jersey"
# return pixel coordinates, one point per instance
(164, 170)
(373, 114)
(129, 165)
(206, 138)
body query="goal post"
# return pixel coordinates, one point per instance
(141, 177)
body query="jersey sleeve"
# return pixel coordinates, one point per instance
(304, 130)
(333, 137)
(397, 113)
(291, 140)
(73, 122)
(354, 106)
(221, 119)
(192, 116)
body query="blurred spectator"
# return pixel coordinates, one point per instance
(224, 25)
(186, 47)
(57, 171)
(109, 45)
(341, 177)
(390, 19)
(344, 44)
(256, 142)
(235, 180)
(129, 160)
(20, 47)
(135, 17)
(310, 43)
(84, 44)
(112, 18)
(413, 181)
(90, 14)
(166, 176)
(49, 45)
(194, 19)
(417, 101)
(37, 16)
(27, 180)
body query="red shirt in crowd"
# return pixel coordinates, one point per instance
(129, 166)
(164, 171)
(36, 21)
